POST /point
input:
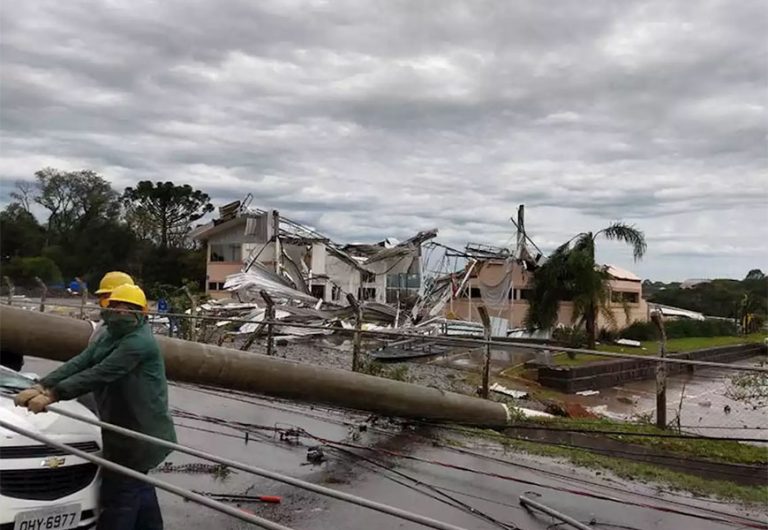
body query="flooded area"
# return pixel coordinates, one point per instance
(698, 398)
(484, 499)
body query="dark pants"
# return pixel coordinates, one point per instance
(127, 504)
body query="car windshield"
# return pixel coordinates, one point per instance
(11, 379)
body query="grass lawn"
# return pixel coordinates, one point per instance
(652, 347)
(715, 450)
(637, 471)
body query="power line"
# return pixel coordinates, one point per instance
(360, 501)
(568, 478)
(459, 340)
(107, 464)
(546, 486)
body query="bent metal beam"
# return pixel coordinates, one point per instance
(61, 338)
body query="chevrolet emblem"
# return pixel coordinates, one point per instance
(53, 462)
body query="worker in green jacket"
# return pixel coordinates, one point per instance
(126, 373)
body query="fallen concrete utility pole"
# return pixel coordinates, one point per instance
(60, 338)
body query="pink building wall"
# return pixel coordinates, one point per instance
(491, 273)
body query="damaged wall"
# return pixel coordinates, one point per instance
(516, 306)
(342, 275)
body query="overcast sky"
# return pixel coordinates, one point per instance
(376, 119)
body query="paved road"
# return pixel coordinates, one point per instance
(303, 510)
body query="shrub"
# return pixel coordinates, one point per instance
(570, 337)
(22, 271)
(678, 329)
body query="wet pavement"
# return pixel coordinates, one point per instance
(469, 500)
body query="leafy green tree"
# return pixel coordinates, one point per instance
(24, 194)
(74, 199)
(571, 274)
(20, 233)
(719, 298)
(164, 211)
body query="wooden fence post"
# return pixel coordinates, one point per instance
(358, 338)
(43, 294)
(661, 372)
(83, 297)
(269, 317)
(487, 336)
(193, 311)
(11, 289)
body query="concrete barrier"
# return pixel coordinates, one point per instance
(605, 374)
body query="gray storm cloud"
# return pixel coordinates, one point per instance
(370, 120)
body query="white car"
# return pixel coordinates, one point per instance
(42, 488)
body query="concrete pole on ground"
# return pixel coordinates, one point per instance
(661, 372)
(358, 338)
(43, 293)
(269, 316)
(11, 289)
(487, 361)
(60, 338)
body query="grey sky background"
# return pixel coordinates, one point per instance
(376, 119)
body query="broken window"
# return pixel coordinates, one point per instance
(318, 291)
(367, 293)
(474, 292)
(226, 253)
(403, 281)
(620, 297)
(525, 294)
(215, 286)
(368, 277)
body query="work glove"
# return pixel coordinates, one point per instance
(40, 402)
(22, 398)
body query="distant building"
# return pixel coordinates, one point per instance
(626, 291)
(383, 272)
(688, 284)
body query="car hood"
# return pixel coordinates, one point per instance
(45, 423)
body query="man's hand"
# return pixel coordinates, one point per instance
(22, 398)
(40, 402)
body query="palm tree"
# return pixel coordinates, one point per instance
(571, 274)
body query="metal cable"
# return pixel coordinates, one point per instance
(360, 501)
(456, 341)
(187, 494)
(530, 503)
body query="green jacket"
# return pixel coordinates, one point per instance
(127, 377)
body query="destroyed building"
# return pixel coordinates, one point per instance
(503, 285)
(262, 242)
(501, 278)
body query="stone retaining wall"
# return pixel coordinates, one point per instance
(605, 374)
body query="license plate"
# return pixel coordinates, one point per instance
(54, 518)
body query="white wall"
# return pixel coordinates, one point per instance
(342, 275)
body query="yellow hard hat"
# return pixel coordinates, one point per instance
(130, 294)
(113, 279)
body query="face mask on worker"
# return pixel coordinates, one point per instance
(105, 315)
(120, 324)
